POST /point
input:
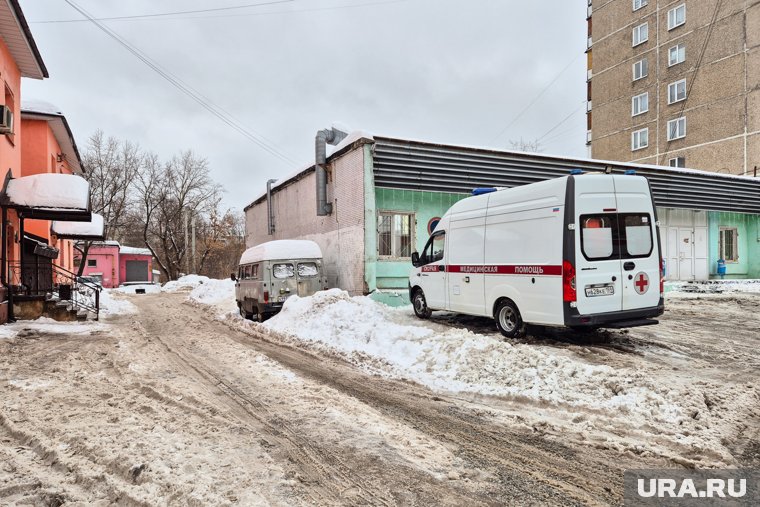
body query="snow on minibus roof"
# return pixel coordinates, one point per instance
(282, 249)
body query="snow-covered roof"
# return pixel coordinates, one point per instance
(282, 249)
(131, 250)
(45, 111)
(79, 230)
(49, 191)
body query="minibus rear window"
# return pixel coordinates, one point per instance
(283, 270)
(307, 270)
(616, 236)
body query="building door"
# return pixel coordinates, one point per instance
(137, 271)
(685, 254)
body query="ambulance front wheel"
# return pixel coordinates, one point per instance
(419, 303)
(508, 319)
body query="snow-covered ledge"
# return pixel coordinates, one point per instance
(48, 196)
(92, 230)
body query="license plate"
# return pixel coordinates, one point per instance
(600, 290)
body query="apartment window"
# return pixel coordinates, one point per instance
(677, 91)
(677, 128)
(639, 139)
(640, 104)
(640, 69)
(676, 55)
(729, 248)
(92, 263)
(676, 16)
(638, 4)
(394, 235)
(641, 34)
(677, 162)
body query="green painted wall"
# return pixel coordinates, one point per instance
(748, 229)
(425, 205)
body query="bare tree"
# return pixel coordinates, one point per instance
(110, 167)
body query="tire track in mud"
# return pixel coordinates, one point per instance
(527, 466)
(329, 477)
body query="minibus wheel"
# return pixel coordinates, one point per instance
(419, 303)
(508, 319)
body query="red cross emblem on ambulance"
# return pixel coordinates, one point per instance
(641, 283)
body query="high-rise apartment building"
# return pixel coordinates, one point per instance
(675, 83)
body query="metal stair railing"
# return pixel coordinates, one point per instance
(54, 283)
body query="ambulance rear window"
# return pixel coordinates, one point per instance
(616, 236)
(596, 236)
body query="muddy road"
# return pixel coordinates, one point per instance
(170, 407)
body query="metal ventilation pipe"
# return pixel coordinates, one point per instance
(270, 208)
(331, 136)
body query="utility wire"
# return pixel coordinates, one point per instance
(165, 14)
(693, 78)
(535, 99)
(561, 122)
(178, 15)
(203, 101)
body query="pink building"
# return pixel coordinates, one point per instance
(114, 265)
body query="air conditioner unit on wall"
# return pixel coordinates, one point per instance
(6, 120)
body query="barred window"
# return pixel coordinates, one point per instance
(395, 234)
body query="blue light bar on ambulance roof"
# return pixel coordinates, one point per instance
(630, 172)
(483, 190)
(575, 172)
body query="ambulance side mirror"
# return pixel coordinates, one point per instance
(415, 259)
(233, 277)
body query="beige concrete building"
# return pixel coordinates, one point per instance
(675, 83)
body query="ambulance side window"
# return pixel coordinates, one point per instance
(439, 240)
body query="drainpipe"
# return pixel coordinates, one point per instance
(331, 136)
(270, 208)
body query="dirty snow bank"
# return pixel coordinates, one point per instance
(458, 360)
(111, 306)
(680, 289)
(50, 326)
(219, 293)
(184, 283)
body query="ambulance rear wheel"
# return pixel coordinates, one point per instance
(508, 319)
(419, 303)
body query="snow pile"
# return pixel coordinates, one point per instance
(132, 289)
(678, 289)
(184, 283)
(458, 360)
(50, 326)
(212, 292)
(93, 228)
(110, 306)
(50, 190)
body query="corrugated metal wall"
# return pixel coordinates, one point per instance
(416, 165)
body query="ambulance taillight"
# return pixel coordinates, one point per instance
(569, 294)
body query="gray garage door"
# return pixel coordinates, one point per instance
(137, 271)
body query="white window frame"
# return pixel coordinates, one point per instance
(637, 31)
(673, 17)
(637, 100)
(674, 86)
(636, 134)
(680, 51)
(680, 131)
(638, 4)
(722, 246)
(644, 66)
(395, 247)
(673, 162)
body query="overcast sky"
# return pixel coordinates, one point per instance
(448, 71)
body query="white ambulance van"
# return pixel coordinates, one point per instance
(581, 251)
